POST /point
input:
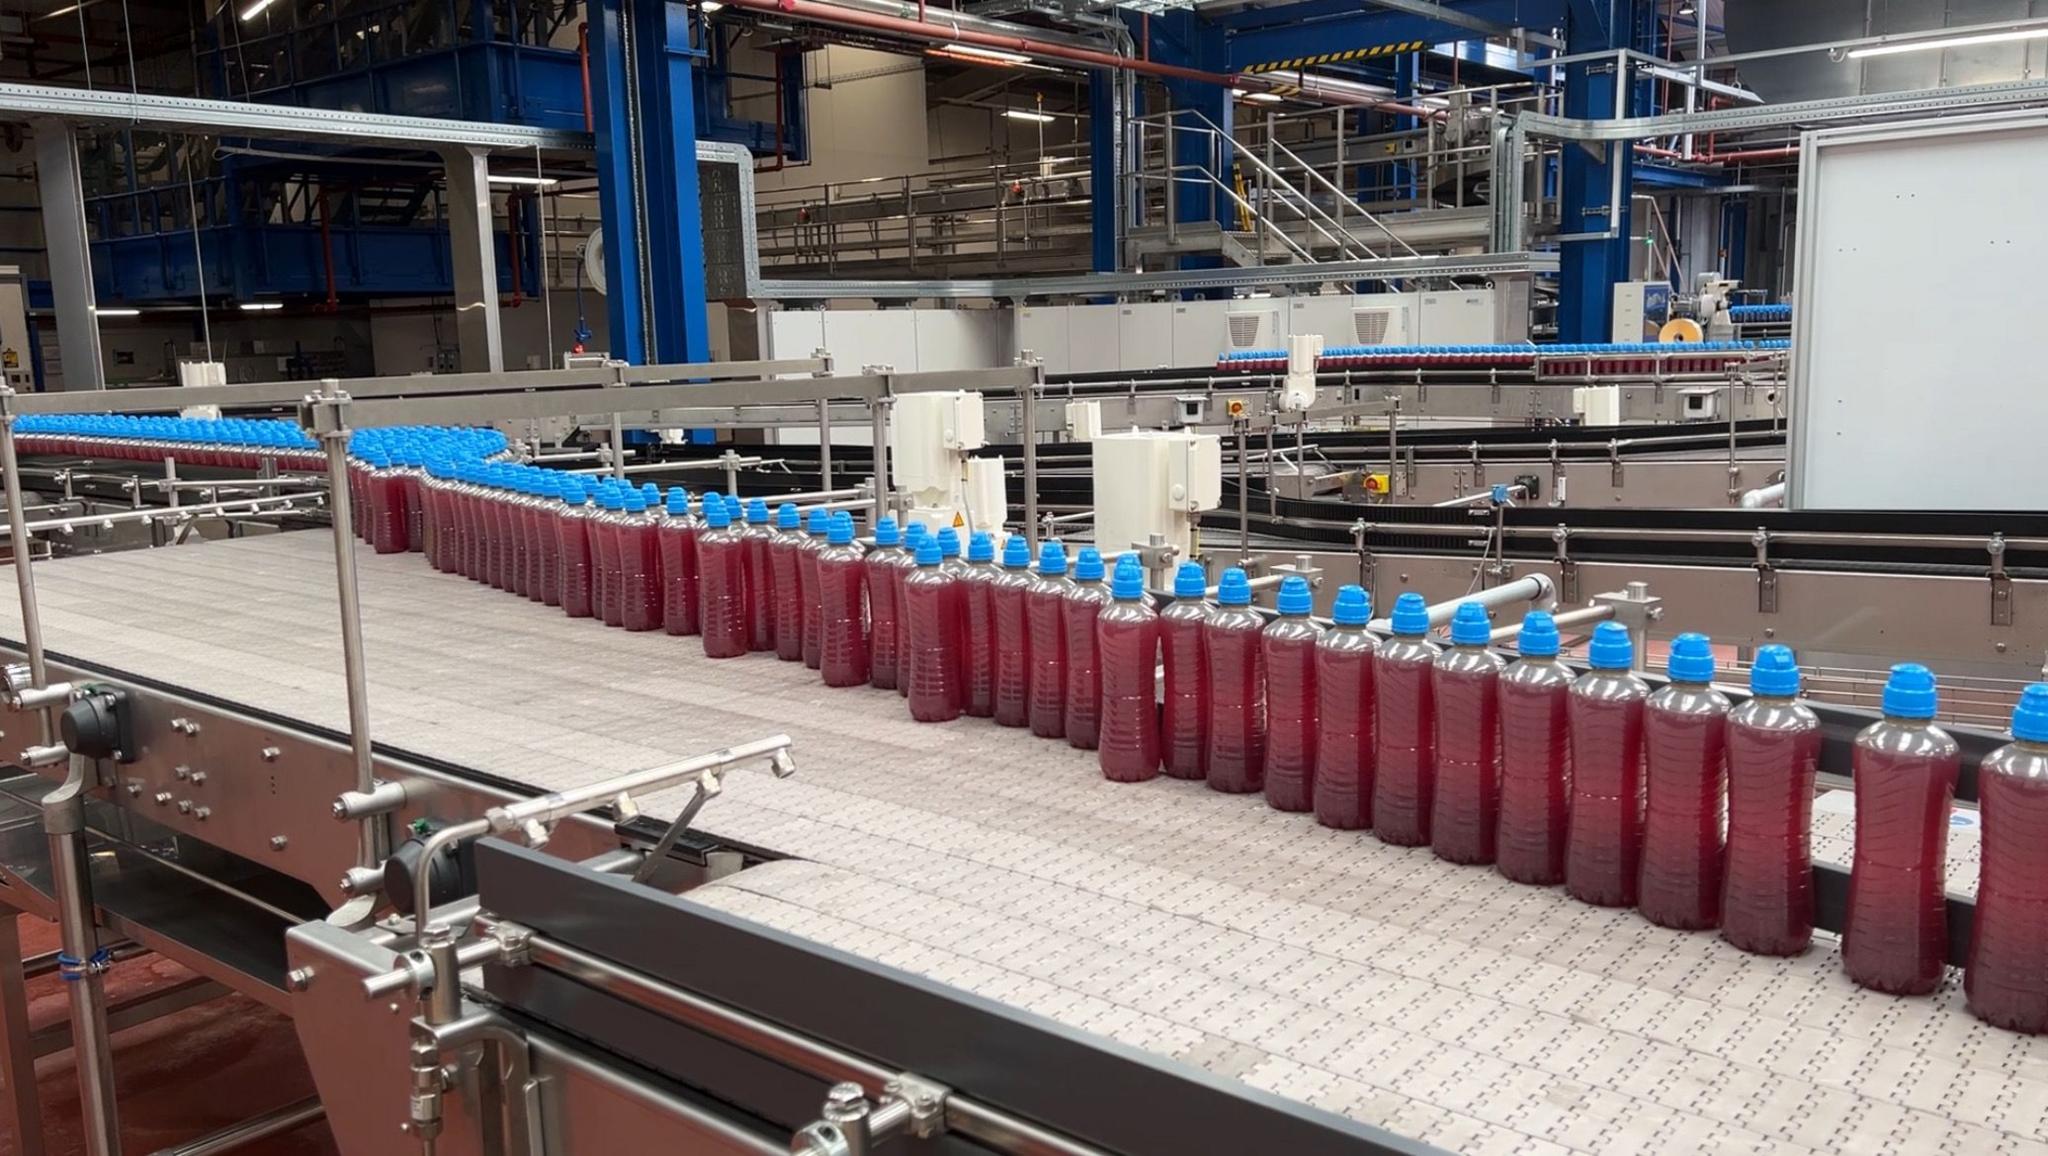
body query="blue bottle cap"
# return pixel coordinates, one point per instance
(1129, 558)
(885, 530)
(1691, 659)
(786, 518)
(981, 547)
(1611, 648)
(678, 501)
(1088, 567)
(1353, 608)
(716, 516)
(912, 535)
(1233, 590)
(572, 492)
(949, 542)
(1294, 599)
(1776, 672)
(1052, 558)
(1538, 638)
(1190, 581)
(928, 551)
(817, 522)
(840, 532)
(757, 513)
(2030, 717)
(650, 493)
(1470, 626)
(734, 508)
(1411, 615)
(1909, 692)
(1128, 584)
(1016, 553)
(634, 502)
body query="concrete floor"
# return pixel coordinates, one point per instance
(179, 1077)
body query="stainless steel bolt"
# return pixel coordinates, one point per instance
(298, 979)
(270, 754)
(279, 842)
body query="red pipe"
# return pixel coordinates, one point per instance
(1727, 158)
(583, 54)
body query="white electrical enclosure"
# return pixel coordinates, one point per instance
(1917, 377)
(930, 436)
(1151, 482)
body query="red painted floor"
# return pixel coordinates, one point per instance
(179, 1077)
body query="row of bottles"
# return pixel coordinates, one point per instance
(227, 443)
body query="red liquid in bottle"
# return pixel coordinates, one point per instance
(1293, 719)
(789, 595)
(640, 594)
(979, 594)
(1127, 634)
(1404, 740)
(1010, 601)
(1344, 717)
(431, 538)
(844, 647)
(722, 584)
(1895, 930)
(1535, 770)
(905, 567)
(1184, 705)
(411, 480)
(572, 539)
(604, 550)
(544, 513)
(386, 510)
(2006, 981)
(1044, 608)
(1232, 645)
(932, 603)
(469, 532)
(807, 585)
(760, 545)
(528, 513)
(879, 572)
(1684, 753)
(681, 597)
(1464, 822)
(505, 560)
(1082, 717)
(1767, 881)
(1604, 828)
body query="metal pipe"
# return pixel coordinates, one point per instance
(562, 804)
(825, 443)
(1771, 495)
(1565, 621)
(1244, 500)
(289, 1118)
(1028, 415)
(815, 496)
(1476, 497)
(1535, 588)
(660, 467)
(285, 502)
(370, 847)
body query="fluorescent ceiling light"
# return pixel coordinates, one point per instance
(261, 306)
(1905, 46)
(1238, 92)
(1264, 97)
(256, 9)
(710, 6)
(67, 10)
(537, 182)
(108, 311)
(1020, 114)
(1685, 9)
(980, 53)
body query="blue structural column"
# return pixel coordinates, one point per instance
(1105, 203)
(1597, 182)
(1201, 117)
(650, 210)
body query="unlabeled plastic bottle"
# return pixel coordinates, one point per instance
(979, 594)
(640, 605)
(2007, 977)
(1604, 828)
(722, 583)
(1184, 707)
(881, 574)
(913, 537)
(843, 660)
(1342, 792)
(931, 600)
(385, 494)
(1404, 728)
(1465, 821)
(1685, 727)
(604, 549)
(522, 562)
(503, 534)
(1084, 604)
(736, 513)
(547, 504)
(534, 495)
(1292, 706)
(789, 594)
(1232, 651)
(1535, 757)
(1895, 929)
(432, 487)
(760, 543)
(1010, 599)
(680, 597)
(1046, 604)
(1773, 753)
(815, 525)
(1127, 637)
(572, 538)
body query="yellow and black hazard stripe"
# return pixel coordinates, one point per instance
(1377, 50)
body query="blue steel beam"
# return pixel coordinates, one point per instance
(615, 182)
(1597, 181)
(1323, 28)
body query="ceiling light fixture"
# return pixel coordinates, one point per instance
(256, 9)
(709, 6)
(1264, 97)
(1905, 46)
(977, 52)
(1021, 114)
(112, 311)
(512, 179)
(261, 306)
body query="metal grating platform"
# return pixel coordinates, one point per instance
(1439, 1001)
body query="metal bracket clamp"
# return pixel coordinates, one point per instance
(849, 1125)
(325, 414)
(1557, 478)
(1614, 467)
(1478, 467)
(1365, 559)
(1635, 607)
(1567, 570)
(1766, 574)
(2001, 584)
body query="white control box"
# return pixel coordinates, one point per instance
(930, 436)
(1154, 482)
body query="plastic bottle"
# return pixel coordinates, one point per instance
(432, 489)
(1342, 792)
(789, 594)
(679, 566)
(412, 477)
(1773, 753)
(1404, 728)
(807, 583)
(1045, 605)
(1127, 637)
(722, 582)
(506, 564)
(533, 495)
(1535, 757)
(1084, 602)
(1895, 929)
(640, 602)
(1184, 710)
(880, 573)
(462, 501)
(604, 553)
(384, 504)
(1289, 646)
(1684, 760)
(2006, 980)
(1010, 598)
(931, 602)
(1465, 821)
(760, 546)
(736, 514)
(913, 537)
(572, 540)
(1237, 688)
(979, 594)
(843, 658)
(547, 492)
(1604, 826)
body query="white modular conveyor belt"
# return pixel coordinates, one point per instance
(1442, 1002)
